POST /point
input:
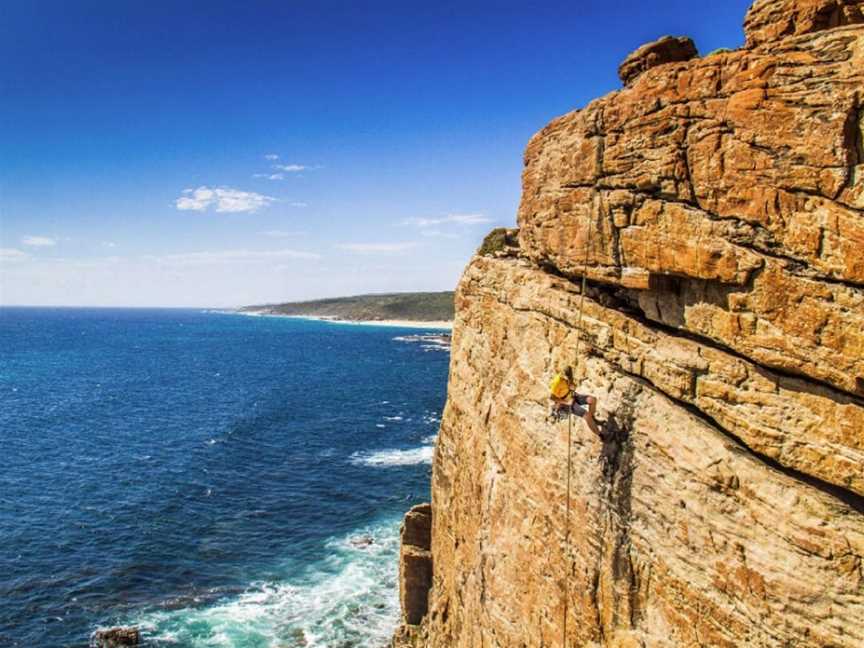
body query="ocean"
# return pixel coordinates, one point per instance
(215, 479)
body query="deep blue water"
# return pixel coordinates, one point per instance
(206, 475)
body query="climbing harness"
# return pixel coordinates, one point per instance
(570, 447)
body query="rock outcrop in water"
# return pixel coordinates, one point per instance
(115, 637)
(415, 563)
(716, 207)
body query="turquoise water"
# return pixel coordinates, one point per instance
(218, 480)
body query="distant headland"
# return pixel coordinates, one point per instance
(427, 309)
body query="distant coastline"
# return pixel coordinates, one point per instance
(431, 310)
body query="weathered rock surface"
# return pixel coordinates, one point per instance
(804, 426)
(716, 208)
(770, 20)
(734, 175)
(668, 49)
(680, 533)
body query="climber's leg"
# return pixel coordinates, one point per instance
(577, 408)
(592, 424)
(592, 405)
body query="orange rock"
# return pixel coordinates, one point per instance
(771, 20)
(732, 170)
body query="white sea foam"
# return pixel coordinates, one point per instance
(428, 342)
(350, 599)
(414, 456)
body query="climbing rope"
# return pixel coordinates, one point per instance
(567, 531)
(570, 446)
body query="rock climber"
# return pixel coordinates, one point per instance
(567, 402)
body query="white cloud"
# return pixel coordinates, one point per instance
(39, 241)
(299, 204)
(222, 257)
(280, 233)
(434, 233)
(376, 248)
(11, 255)
(450, 219)
(291, 168)
(96, 262)
(224, 199)
(109, 244)
(271, 156)
(269, 176)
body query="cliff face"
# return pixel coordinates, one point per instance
(716, 207)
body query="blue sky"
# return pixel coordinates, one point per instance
(226, 153)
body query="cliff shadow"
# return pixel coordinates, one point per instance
(616, 453)
(618, 579)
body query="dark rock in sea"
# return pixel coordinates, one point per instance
(361, 541)
(115, 637)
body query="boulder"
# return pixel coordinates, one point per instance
(668, 49)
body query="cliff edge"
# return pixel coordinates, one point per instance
(715, 206)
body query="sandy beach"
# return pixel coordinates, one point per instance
(438, 324)
(400, 323)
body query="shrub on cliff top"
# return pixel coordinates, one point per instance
(498, 240)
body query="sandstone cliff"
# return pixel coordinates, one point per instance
(716, 207)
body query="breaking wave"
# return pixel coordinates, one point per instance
(414, 456)
(349, 599)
